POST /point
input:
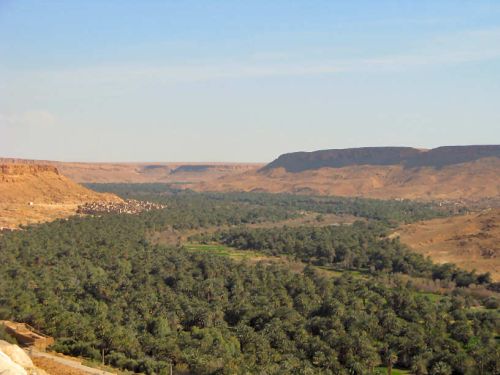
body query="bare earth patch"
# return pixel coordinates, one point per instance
(14, 214)
(470, 241)
(55, 368)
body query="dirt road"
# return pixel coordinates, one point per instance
(33, 353)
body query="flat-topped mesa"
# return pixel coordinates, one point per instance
(338, 158)
(444, 173)
(382, 156)
(449, 155)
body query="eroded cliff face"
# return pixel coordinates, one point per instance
(12, 169)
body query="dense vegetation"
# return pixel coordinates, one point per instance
(99, 287)
(361, 246)
(391, 211)
(197, 212)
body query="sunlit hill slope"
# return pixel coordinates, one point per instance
(35, 192)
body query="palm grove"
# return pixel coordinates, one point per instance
(100, 286)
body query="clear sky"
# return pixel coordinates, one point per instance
(103, 80)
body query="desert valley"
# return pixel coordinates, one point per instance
(249, 187)
(465, 177)
(442, 203)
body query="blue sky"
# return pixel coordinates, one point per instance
(244, 80)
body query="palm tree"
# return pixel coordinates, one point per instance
(390, 357)
(419, 367)
(441, 368)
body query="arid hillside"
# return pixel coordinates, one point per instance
(36, 192)
(445, 173)
(470, 241)
(471, 181)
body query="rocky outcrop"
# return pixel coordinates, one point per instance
(22, 169)
(15, 361)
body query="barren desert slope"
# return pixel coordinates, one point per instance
(471, 181)
(470, 241)
(446, 173)
(32, 193)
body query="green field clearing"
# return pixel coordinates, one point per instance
(256, 256)
(225, 251)
(383, 370)
(434, 297)
(333, 272)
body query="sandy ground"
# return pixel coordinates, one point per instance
(63, 365)
(14, 214)
(470, 241)
(55, 368)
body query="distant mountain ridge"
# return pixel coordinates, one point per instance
(443, 173)
(382, 156)
(135, 172)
